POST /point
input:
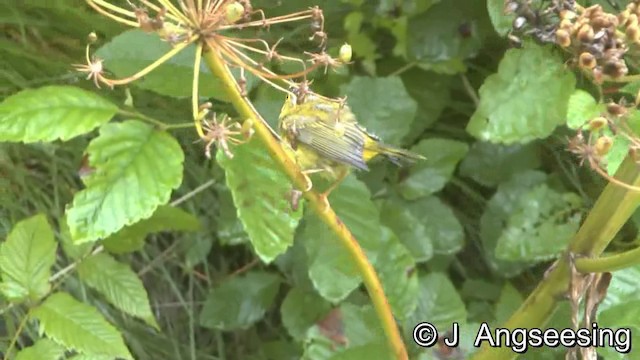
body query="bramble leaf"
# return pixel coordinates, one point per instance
(118, 284)
(26, 258)
(239, 302)
(79, 326)
(526, 99)
(136, 168)
(263, 206)
(52, 112)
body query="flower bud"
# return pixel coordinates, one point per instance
(234, 12)
(563, 38)
(92, 37)
(597, 123)
(345, 53)
(603, 145)
(587, 61)
(616, 110)
(585, 33)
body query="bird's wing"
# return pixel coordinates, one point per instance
(342, 143)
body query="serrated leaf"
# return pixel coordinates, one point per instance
(43, 349)
(136, 168)
(165, 218)
(118, 284)
(26, 258)
(71, 249)
(526, 99)
(262, 194)
(51, 113)
(397, 271)
(331, 268)
(501, 23)
(240, 302)
(432, 92)
(300, 310)
(410, 222)
(582, 107)
(540, 225)
(79, 326)
(379, 102)
(496, 215)
(431, 175)
(133, 50)
(490, 164)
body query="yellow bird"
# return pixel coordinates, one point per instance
(325, 137)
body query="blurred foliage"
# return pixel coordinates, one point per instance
(228, 269)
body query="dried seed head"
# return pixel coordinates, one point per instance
(567, 14)
(603, 145)
(632, 33)
(616, 110)
(563, 38)
(585, 34)
(345, 53)
(587, 61)
(597, 123)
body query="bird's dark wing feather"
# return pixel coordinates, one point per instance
(345, 148)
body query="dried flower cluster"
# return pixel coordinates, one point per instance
(597, 40)
(595, 139)
(215, 25)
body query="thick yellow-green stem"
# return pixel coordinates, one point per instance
(610, 212)
(317, 203)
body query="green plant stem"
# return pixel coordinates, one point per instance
(14, 339)
(610, 212)
(317, 202)
(609, 263)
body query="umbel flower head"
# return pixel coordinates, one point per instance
(217, 26)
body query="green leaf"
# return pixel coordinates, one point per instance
(497, 214)
(118, 284)
(434, 38)
(397, 271)
(331, 268)
(540, 225)
(379, 102)
(432, 92)
(165, 218)
(79, 326)
(429, 176)
(133, 50)
(262, 194)
(300, 310)
(618, 152)
(526, 99)
(621, 307)
(43, 349)
(490, 164)
(26, 258)
(508, 303)
(582, 107)
(410, 222)
(71, 249)
(501, 22)
(136, 167)
(344, 328)
(51, 113)
(240, 302)
(438, 303)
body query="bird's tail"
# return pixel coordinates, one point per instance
(397, 156)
